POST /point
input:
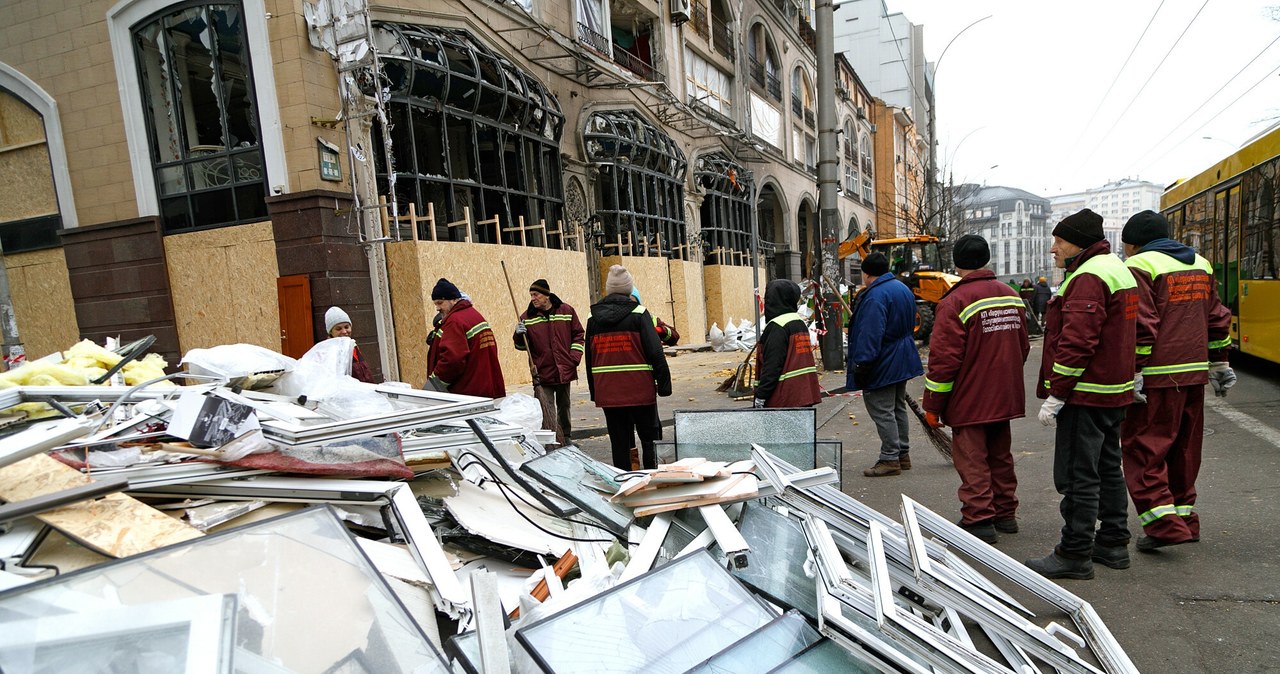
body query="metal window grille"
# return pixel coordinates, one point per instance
(726, 208)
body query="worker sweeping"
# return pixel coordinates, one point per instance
(550, 331)
(787, 374)
(974, 384)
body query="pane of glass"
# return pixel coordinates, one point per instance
(151, 50)
(667, 620)
(172, 179)
(199, 98)
(825, 657)
(726, 435)
(777, 541)
(212, 208)
(249, 167)
(584, 482)
(233, 62)
(210, 173)
(764, 649)
(176, 214)
(251, 201)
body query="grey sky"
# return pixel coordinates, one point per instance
(1018, 90)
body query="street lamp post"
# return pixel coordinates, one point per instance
(828, 180)
(932, 178)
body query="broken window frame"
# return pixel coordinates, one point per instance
(235, 172)
(615, 517)
(725, 220)
(640, 187)
(494, 130)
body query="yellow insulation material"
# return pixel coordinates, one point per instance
(80, 365)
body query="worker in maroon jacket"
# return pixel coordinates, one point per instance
(785, 371)
(549, 329)
(1184, 333)
(1087, 374)
(974, 384)
(463, 358)
(626, 371)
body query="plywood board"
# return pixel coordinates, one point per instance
(224, 286)
(41, 291)
(28, 183)
(116, 525)
(690, 301)
(730, 293)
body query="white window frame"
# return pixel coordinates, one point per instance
(32, 94)
(120, 20)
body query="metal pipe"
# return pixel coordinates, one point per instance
(828, 182)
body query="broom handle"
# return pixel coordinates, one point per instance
(533, 369)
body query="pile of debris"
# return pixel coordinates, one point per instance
(298, 521)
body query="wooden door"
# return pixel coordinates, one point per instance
(296, 328)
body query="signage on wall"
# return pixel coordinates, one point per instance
(330, 167)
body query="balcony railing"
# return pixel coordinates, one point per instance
(722, 38)
(593, 39)
(807, 33)
(797, 107)
(774, 85)
(809, 118)
(699, 21)
(866, 164)
(765, 80)
(635, 64)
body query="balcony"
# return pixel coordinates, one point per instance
(797, 107)
(722, 38)
(810, 119)
(592, 39)
(699, 22)
(765, 80)
(807, 34)
(636, 65)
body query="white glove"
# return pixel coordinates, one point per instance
(757, 403)
(520, 328)
(1222, 377)
(1138, 396)
(1049, 411)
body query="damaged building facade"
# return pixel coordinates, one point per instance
(185, 169)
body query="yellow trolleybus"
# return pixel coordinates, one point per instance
(1230, 213)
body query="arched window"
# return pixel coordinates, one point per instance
(802, 97)
(471, 133)
(30, 214)
(201, 115)
(762, 58)
(641, 184)
(726, 209)
(850, 161)
(868, 191)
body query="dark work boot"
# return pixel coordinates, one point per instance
(983, 531)
(904, 461)
(1055, 566)
(1007, 526)
(883, 468)
(1115, 557)
(1150, 543)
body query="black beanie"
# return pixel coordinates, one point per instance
(875, 264)
(1145, 227)
(445, 290)
(971, 252)
(1082, 229)
(540, 286)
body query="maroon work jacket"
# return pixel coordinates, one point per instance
(464, 357)
(1182, 325)
(557, 340)
(786, 372)
(625, 363)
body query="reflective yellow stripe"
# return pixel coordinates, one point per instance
(786, 318)
(1220, 343)
(437, 332)
(560, 317)
(989, 303)
(1085, 387)
(796, 373)
(1046, 383)
(1156, 513)
(1185, 510)
(621, 368)
(1175, 369)
(1143, 351)
(534, 321)
(578, 347)
(1108, 268)
(1156, 263)
(938, 387)
(1067, 371)
(480, 327)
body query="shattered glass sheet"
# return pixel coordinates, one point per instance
(825, 657)
(828, 454)
(727, 435)
(665, 621)
(306, 600)
(778, 568)
(465, 648)
(764, 649)
(585, 482)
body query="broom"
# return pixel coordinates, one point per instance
(939, 438)
(730, 382)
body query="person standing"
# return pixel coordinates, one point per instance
(1184, 333)
(786, 373)
(1040, 300)
(626, 371)
(882, 357)
(463, 357)
(550, 331)
(1087, 374)
(338, 324)
(975, 385)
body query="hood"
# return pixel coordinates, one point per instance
(610, 310)
(780, 297)
(1178, 251)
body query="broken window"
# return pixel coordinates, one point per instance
(197, 90)
(641, 185)
(29, 217)
(474, 138)
(726, 209)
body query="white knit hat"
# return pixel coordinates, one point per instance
(333, 317)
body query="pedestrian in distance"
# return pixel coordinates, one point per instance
(786, 375)
(550, 331)
(463, 358)
(1087, 374)
(626, 372)
(1040, 300)
(975, 385)
(882, 358)
(338, 324)
(1184, 333)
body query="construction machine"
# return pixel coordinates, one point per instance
(917, 262)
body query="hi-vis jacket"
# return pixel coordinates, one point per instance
(786, 375)
(464, 354)
(1091, 332)
(557, 339)
(976, 353)
(1182, 325)
(625, 363)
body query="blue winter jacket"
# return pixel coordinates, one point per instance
(880, 336)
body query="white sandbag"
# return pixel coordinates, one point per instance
(716, 337)
(746, 335)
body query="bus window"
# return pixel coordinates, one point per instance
(1261, 230)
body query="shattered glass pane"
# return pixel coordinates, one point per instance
(465, 648)
(153, 62)
(233, 64)
(306, 599)
(200, 100)
(779, 568)
(727, 435)
(667, 620)
(585, 482)
(764, 649)
(824, 657)
(828, 454)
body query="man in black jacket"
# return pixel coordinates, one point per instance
(786, 375)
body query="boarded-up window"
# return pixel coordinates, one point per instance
(29, 216)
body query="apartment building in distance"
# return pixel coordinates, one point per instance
(1115, 201)
(1016, 223)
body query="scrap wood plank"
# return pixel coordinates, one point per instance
(691, 491)
(744, 487)
(116, 525)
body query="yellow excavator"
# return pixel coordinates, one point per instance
(917, 262)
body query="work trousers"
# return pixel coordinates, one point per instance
(887, 407)
(624, 424)
(557, 419)
(983, 457)
(1086, 471)
(1161, 442)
